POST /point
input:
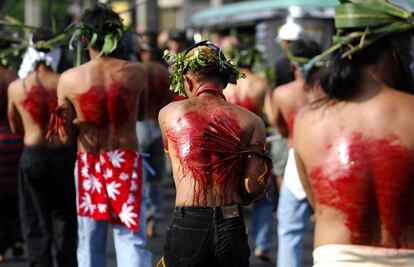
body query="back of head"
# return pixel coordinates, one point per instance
(204, 61)
(362, 42)
(305, 48)
(99, 24)
(301, 52)
(42, 34)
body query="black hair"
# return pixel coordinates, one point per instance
(42, 34)
(341, 77)
(101, 20)
(305, 48)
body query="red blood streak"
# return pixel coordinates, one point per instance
(244, 101)
(40, 103)
(187, 136)
(112, 105)
(290, 123)
(371, 181)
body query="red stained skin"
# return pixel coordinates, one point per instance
(371, 182)
(245, 102)
(290, 123)
(112, 105)
(187, 136)
(40, 103)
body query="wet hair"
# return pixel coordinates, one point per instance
(341, 77)
(101, 20)
(42, 34)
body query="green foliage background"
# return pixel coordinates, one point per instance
(52, 10)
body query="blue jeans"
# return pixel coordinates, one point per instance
(293, 217)
(150, 142)
(262, 224)
(129, 245)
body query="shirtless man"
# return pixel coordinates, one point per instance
(11, 146)
(293, 208)
(251, 93)
(46, 182)
(149, 132)
(208, 141)
(361, 178)
(105, 95)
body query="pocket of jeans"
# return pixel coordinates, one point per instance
(237, 237)
(186, 243)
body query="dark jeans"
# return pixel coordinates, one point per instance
(10, 231)
(47, 206)
(203, 237)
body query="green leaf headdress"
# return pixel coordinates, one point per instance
(360, 23)
(109, 32)
(197, 60)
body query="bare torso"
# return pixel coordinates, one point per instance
(31, 102)
(105, 94)
(287, 101)
(249, 93)
(158, 93)
(183, 125)
(356, 161)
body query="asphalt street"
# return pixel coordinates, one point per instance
(155, 244)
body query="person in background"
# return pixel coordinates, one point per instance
(11, 146)
(250, 93)
(293, 211)
(46, 182)
(149, 132)
(105, 96)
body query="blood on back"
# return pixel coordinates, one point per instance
(371, 181)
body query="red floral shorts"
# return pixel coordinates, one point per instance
(110, 186)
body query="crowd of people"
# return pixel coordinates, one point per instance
(332, 140)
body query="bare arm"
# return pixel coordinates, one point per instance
(15, 121)
(303, 174)
(276, 118)
(65, 112)
(256, 167)
(161, 122)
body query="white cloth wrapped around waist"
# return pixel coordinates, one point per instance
(361, 256)
(291, 177)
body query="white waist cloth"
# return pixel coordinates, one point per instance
(291, 177)
(361, 256)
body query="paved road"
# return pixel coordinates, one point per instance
(155, 244)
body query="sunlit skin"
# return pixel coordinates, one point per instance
(6, 77)
(287, 101)
(105, 96)
(183, 125)
(355, 159)
(249, 92)
(31, 104)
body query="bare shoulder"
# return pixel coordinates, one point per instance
(73, 75)
(170, 109)
(15, 88)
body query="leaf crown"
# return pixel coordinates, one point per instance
(104, 35)
(195, 59)
(360, 23)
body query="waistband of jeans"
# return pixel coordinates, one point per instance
(205, 212)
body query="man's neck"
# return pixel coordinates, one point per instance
(93, 54)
